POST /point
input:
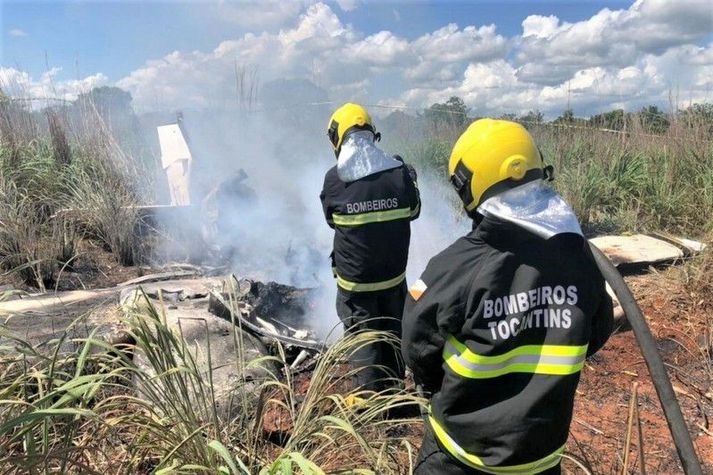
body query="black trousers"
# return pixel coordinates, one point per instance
(381, 362)
(434, 460)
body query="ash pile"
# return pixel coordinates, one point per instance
(276, 314)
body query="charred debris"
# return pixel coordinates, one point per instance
(275, 313)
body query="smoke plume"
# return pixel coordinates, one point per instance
(270, 225)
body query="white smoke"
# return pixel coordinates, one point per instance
(281, 235)
(439, 225)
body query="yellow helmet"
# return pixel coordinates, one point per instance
(493, 156)
(348, 118)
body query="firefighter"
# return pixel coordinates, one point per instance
(369, 199)
(498, 327)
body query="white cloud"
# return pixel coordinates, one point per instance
(481, 83)
(634, 56)
(263, 15)
(382, 49)
(438, 58)
(347, 5)
(21, 85)
(200, 79)
(540, 26)
(319, 23)
(498, 74)
(320, 47)
(353, 89)
(610, 37)
(631, 57)
(682, 74)
(449, 44)
(663, 23)
(17, 33)
(426, 73)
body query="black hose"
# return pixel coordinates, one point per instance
(662, 383)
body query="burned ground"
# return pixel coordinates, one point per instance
(282, 302)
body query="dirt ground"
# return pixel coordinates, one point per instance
(94, 268)
(681, 322)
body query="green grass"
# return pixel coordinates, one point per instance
(633, 183)
(615, 183)
(74, 412)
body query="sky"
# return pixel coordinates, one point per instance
(500, 57)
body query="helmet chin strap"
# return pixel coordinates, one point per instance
(548, 173)
(461, 182)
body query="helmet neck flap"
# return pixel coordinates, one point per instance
(359, 157)
(534, 207)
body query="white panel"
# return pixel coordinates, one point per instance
(636, 249)
(173, 145)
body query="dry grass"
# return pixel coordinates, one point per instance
(635, 182)
(64, 158)
(75, 412)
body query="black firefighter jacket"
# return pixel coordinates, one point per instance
(371, 220)
(498, 328)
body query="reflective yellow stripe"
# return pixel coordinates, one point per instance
(370, 287)
(372, 217)
(539, 359)
(474, 461)
(416, 210)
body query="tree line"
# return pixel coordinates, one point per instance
(454, 113)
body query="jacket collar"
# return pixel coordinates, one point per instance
(503, 231)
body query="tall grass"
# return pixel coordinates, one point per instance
(45, 405)
(62, 179)
(112, 217)
(634, 182)
(75, 412)
(69, 158)
(616, 182)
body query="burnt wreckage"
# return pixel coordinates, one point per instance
(275, 313)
